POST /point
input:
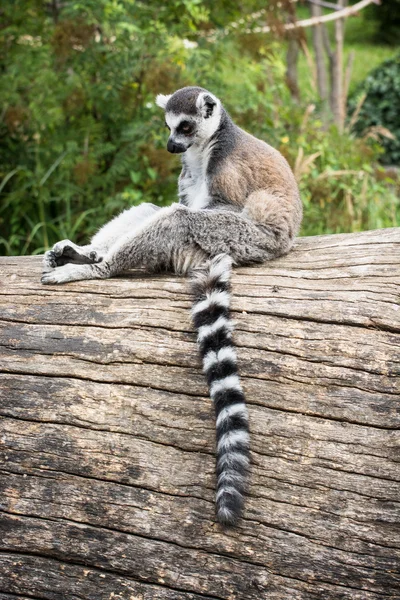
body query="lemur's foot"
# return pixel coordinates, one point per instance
(65, 252)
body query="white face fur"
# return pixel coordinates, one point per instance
(189, 130)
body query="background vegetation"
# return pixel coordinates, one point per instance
(381, 106)
(81, 137)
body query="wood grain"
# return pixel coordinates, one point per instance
(107, 433)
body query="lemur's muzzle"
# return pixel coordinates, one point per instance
(175, 148)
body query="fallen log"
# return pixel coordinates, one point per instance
(107, 433)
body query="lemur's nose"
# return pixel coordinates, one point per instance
(175, 148)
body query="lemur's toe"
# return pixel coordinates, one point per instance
(47, 279)
(57, 249)
(61, 248)
(94, 257)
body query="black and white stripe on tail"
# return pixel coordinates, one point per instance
(211, 317)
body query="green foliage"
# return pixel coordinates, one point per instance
(343, 189)
(381, 107)
(80, 134)
(82, 139)
(341, 184)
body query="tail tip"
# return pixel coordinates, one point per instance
(227, 517)
(229, 506)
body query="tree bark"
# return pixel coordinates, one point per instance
(107, 434)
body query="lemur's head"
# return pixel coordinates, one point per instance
(192, 115)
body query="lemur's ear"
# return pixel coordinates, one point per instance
(206, 103)
(162, 100)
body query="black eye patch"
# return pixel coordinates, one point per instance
(186, 127)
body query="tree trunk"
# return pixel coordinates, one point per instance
(107, 433)
(318, 43)
(292, 59)
(337, 92)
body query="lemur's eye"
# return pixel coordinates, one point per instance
(185, 128)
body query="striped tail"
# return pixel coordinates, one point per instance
(211, 317)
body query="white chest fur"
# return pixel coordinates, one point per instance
(194, 185)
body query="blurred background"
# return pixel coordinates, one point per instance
(81, 137)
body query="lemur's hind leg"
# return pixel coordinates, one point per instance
(65, 252)
(123, 224)
(179, 239)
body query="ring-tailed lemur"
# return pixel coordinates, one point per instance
(238, 201)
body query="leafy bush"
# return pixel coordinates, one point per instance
(342, 188)
(380, 107)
